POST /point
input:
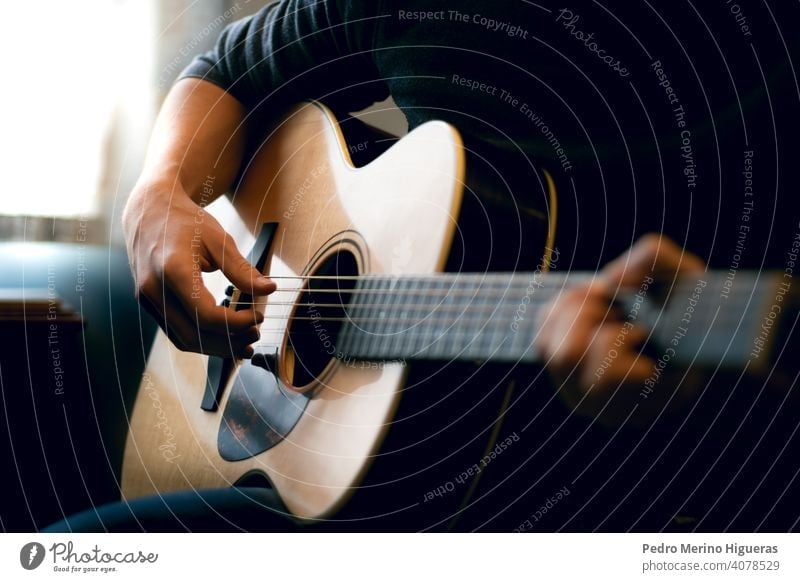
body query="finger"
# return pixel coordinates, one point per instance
(655, 255)
(187, 286)
(613, 369)
(615, 348)
(183, 330)
(569, 326)
(237, 269)
(230, 346)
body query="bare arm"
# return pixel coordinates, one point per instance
(193, 157)
(198, 133)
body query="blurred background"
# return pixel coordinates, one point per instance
(85, 84)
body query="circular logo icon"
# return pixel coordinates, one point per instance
(31, 555)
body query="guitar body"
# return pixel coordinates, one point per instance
(396, 215)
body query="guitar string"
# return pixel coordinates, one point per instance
(503, 316)
(499, 314)
(504, 286)
(507, 315)
(427, 292)
(396, 291)
(541, 294)
(479, 304)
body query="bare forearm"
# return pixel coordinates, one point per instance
(198, 140)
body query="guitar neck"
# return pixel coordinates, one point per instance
(496, 316)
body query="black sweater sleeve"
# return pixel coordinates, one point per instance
(298, 49)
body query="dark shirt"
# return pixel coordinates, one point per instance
(646, 115)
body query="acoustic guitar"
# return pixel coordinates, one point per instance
(358, 255)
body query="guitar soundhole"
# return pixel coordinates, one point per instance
(319, 316)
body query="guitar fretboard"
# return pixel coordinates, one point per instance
(496, 316)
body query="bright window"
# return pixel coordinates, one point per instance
(69, 69)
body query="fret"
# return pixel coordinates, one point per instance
(473, 342)
(462, 333)
(424, 332)
(497, 322)
(406, 339)
(359, 324)
(447, 347)
(438, 320)
(383, 315)
(398, 315)
(439, 290)
(376, 316)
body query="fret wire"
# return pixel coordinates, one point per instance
(449, 338)
(447, 343)
(383, 342)
(382, 314)
(440, 326)
(368, 339)
(385, 313)
(358, 331)
(426, 323)
(495, 323)
(441, 335)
